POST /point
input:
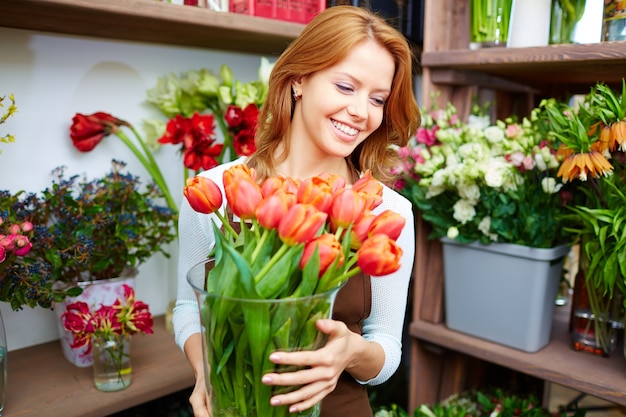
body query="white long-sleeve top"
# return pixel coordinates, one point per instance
(389, 293)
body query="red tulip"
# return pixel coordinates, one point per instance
(329, 249)
(336, 182)
(203, 194)
(273, 208)
(389, 223)
(273, 184)
(301, 223)
(379, 255)
(88, 130)
(347, 207)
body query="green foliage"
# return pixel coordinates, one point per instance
(83, 230)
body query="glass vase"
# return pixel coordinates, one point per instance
(238, 337)
(596, 315)
(112, 370)
(614, 20)
(489, 23)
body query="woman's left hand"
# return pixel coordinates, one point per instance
(323, 368)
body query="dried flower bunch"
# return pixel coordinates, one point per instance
(82, 230)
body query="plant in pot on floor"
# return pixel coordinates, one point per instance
(490, 189)
(85, 233)
(592, 145)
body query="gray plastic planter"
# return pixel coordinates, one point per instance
(502, 292)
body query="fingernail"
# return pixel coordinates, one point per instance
(266, 379)
(274, 357)
(293, 409)
(275, 401)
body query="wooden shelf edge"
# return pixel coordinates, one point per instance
(42, 382)
(151, 21)
(557, 362)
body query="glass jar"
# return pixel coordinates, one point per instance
(614, 22)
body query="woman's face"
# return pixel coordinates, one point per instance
(341, 106)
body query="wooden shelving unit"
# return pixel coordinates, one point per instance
(43, 383)
(151, 21)
(442, 359)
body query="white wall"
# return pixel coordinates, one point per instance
(55, 76)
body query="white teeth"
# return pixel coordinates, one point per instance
(345, 129)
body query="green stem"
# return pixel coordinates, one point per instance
(266, 268)
(149, 164)
(260, 244)
(226, 224)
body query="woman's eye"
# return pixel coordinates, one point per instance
(378, 101)
(345, 88)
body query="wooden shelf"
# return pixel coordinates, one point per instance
(41, 382)
(567, 63)
(151, 21)
(557, 362)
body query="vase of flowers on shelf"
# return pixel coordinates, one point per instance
(591, 138)
(84, 231)
(276, 266)
(106, 330)
(490, 189)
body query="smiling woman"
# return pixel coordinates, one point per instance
(339, 98)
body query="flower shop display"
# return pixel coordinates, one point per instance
(275, 270)
(478, 181)
(107, 330)
(195, 102)
(592, 144)
(490, 193)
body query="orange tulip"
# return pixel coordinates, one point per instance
(379, 255)
(300, 224)
(360, 228)
(237, 173)
(243, 197)
(371, 188)
(328, 248)
(316, 191)
(273, 208)
(347, 207)
(203, 194)
(388, 223)
(336, 182)
(274, 184)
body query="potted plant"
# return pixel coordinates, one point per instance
(489, 192)
(592, 143)
(84, 232)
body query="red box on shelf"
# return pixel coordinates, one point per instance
(299, 11)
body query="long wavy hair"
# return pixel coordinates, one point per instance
(325, 42)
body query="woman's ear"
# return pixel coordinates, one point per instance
(296, 87)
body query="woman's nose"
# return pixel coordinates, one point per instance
(357, 108)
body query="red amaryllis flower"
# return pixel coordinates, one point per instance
(244, 142)
(379, 255)
(202, 154)
(203, 194)
(88, 130)
(233, 116)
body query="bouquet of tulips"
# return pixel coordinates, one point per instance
(295, 240)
